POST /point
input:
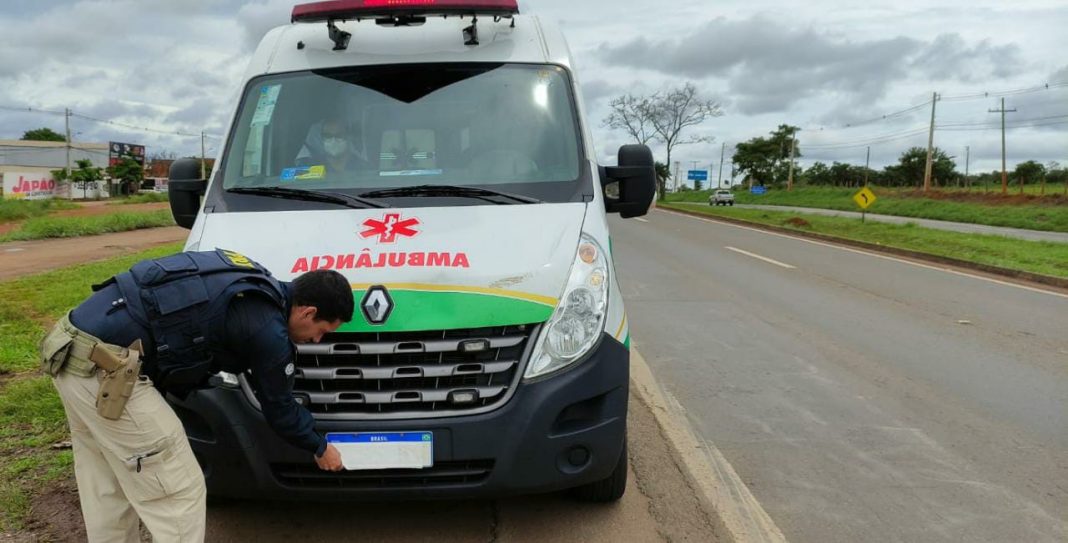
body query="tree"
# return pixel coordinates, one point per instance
(1029, 172)
(817, 174)
(1056, 174)
(43, 134)
(675, 111)
(633, 115)
(766, 159)
(664, 117)
(129, 174)
(163, 155)
(912, 164)
(662, 173)
(84, 174)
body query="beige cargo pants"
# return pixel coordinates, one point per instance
(140, 465)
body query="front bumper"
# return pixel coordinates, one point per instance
(555, 433)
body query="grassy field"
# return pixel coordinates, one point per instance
(144, 198)
(1031, 212)
(66, 227)
(17, 210)
(31, 416)
(1033, 256)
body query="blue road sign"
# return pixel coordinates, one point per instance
(758, 189)
(697, 175)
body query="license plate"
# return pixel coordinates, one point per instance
(384, 450)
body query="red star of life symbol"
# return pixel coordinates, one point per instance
(390, 227)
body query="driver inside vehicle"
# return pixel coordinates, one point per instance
(334, 148)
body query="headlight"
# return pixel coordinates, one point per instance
(578, 321)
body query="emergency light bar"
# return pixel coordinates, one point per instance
(336, 10)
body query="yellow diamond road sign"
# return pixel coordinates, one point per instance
(864, 198)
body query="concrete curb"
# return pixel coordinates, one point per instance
(712, 476)
(1049, 280)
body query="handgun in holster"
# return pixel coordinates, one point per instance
(119, 375)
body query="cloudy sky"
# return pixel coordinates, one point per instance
(835, 68)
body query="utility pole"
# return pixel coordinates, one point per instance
(967, 162)
(203, 158)
(867, 163)
(722, 150)
(790, 176)
(676, 179)
(66, 115)
(930, 146)
(1004, 172)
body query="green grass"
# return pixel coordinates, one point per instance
(68, 227)
(1048, 213)
(144, 198)
(17, 210)
(31, 416)
(1032, 256)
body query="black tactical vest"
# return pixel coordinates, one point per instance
(182, 299)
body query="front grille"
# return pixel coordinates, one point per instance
(398, 374)
(468, 472)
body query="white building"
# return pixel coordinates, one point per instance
(26, 162)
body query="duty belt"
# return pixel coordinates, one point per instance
(80, 359)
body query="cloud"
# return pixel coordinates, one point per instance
(260, 16)
(949, 56)
(770, 67)
(592, 91)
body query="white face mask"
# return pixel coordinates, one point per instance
(335, 146)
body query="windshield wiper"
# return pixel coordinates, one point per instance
(355, 202)
(451, 190)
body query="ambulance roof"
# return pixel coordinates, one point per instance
(304, 46)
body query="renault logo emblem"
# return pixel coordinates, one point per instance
(377, 305)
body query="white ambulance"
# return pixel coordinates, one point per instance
(435, 152)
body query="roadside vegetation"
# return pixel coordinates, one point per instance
(17, 210)
(31, 415)
(1028, 211)
(143, 198)
(66, 227)
(1033, 256)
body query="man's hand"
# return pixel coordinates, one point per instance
(330, 460)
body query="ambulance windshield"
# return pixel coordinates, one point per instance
(500, 126)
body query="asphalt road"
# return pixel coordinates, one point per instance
(660, 504)
(969, 228)
(859, 397)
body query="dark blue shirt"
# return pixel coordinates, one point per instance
(257, 330)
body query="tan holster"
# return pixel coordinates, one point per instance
(117, 378)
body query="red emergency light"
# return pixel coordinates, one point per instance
(337, 10)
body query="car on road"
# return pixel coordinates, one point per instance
(444, 166)
(721, 197)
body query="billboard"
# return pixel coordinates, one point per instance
(28, 186)
(118, 151)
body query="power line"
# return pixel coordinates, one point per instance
(870, 141)
(1011, 92)
(107, 122)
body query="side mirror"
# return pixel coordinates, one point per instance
(184, 191)
(636, 179)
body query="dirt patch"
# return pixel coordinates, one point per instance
(25, 257)
(55, 514)
(797, 222)
(996, 198)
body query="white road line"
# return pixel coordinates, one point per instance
(764, 258)
(876, 255)
(641, 219)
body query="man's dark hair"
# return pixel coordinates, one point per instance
(328, 292)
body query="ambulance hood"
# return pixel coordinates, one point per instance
(444, 267)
